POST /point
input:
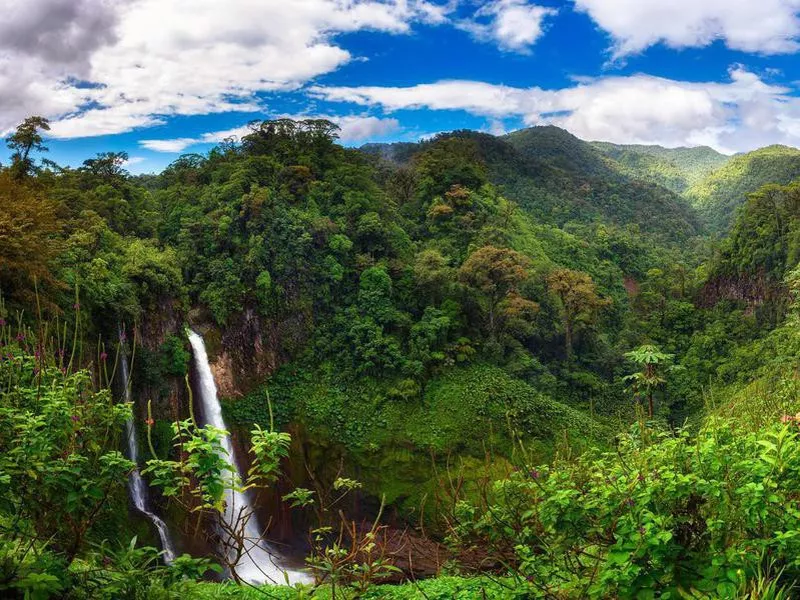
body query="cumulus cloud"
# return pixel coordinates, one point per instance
(761, 26)
(514, 25)
(59, 31)
(108, 66)
(353, 128)
(133, 161)
(173, 146)
(739, 114)
(360, 129)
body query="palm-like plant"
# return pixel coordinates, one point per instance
(654, 364)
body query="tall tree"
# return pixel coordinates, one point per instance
(29, 238)
(578, 301)
(26, 139)
(654, 365)
(108, 166)
(433, 274)
(493, 275)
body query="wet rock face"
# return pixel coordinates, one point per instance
(251, 347)
(170, 398)
(165, 319)
(753, 289)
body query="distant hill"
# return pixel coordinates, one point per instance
(718, 196)
(561, 149)
(671, 192)
(582, 184)
(561, 179)
(676, 169)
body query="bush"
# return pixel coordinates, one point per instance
(665, 515)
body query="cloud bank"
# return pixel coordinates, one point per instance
(109, 66)
(759, 26)
(741, 114)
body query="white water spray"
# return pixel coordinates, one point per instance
(260, 564)
(136, 484)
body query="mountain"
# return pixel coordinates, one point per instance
(676, 169)
(722, 192)
(561, 149)
(583, 185)
(560, 179)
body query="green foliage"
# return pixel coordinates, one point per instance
(720, 194)
(665, 515)
(562, 179)
(204, 471)
(154, 368)
(764, 240)
(26, 139)
(654, 366)
(676, 169)
(463, 303)
(58, 466)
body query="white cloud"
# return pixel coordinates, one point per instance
(353, 128)
(473, 96)
(514, 25)
(174, 145)
(740, 114)
(359, 129)
(151, 59)
(761, 26)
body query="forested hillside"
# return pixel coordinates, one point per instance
(564, 181)
(720, 194)
(475, 366)
(677, 169)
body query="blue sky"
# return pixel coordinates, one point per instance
(157, 78)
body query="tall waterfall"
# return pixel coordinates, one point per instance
(260, 563)
(136, 484)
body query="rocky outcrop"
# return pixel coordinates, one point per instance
(250, 348)
(751, 289)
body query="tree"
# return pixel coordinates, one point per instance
(109, 166)
(375, 295)
(23, 141)
(654, 366)
(29, 238)
(578, 299)
(432, 274)
(494, 274)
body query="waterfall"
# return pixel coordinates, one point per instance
(136, 484)
(261, 563)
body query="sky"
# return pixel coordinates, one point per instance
(160, 78)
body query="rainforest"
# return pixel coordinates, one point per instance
(474, 366)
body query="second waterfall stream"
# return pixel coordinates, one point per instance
(137, 485)
(261, 563)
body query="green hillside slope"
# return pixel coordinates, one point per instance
(676, 169)
(719, 195)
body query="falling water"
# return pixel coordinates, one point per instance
(136, 484)
(260, 564)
